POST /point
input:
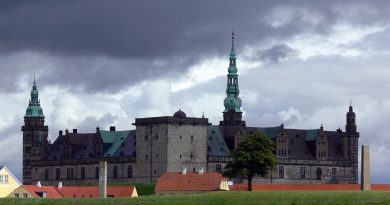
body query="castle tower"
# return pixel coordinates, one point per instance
(351, 141)
(232, 115)
(35, 142)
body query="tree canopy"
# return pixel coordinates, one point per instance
(253, 156)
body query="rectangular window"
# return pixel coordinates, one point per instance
(58, 173)
(26, 172)
(6, 179)
(334, 173)
(319, 173)
(97, 172)
(27, 162)
(129, 171)
(302, 172)
(16, 195)
(82, 174)
(281, 172)
(27, 150)
(25, 195)
(218, 168)
(115, 172)
(68, 173)
(47, 174)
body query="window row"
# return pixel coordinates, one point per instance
(25, 195)
(70, 173)
(156, 137)
(321, 154)
(282, 141)
(302, 173)
(322, 143)
(283, 152)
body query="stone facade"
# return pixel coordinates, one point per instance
(171, 143)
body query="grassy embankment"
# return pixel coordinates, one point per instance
(233, 198)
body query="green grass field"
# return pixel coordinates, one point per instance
(233, 198)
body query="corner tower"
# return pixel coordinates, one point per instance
(350, 141)
(35, 131)
(232, 115)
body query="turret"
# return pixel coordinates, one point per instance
(35, 133)
(350, 126)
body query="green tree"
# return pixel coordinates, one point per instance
(253, 156)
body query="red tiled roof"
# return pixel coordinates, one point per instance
(380, 187)
(51, 191)
(191, 181)
(315, 187)
(93, 191)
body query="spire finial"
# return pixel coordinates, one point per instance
(232, 52)
(350, 102)
(34, 79)
(202, 114)
(232, 38)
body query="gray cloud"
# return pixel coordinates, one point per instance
(105, 46)
(276, 53)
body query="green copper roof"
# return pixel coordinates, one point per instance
(216, 143)
(34, 107)
(115, 138)
(311, 134)
(232, 101)
(270, 131)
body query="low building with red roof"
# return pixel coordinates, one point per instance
(38, 191)
(192, 182)
(93, 191)
(35, 191)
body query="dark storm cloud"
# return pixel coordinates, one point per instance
(106, 45)
(136, 29)
(276, 53)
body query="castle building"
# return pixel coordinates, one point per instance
(173, 143)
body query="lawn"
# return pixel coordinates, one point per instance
(233, 198)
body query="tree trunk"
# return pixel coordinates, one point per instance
(249, 183)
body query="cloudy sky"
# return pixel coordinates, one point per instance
(102, 63)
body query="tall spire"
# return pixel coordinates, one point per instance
(232, 101)
(34, 107)
(232, 51)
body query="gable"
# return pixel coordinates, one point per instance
(11, 179)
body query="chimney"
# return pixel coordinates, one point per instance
(184, 170)
(75, 131)
(59, 185)
(66, 131)
(201, 171)
(39, 184)
(112, 128)
(60, 133)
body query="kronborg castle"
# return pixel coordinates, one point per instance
(171, 143)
